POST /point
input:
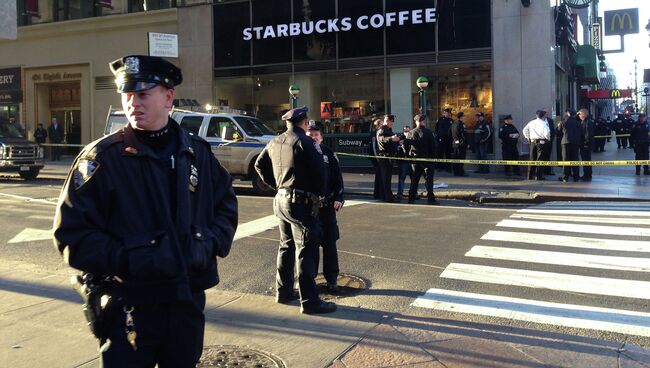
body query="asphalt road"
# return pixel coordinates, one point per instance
(403, 251)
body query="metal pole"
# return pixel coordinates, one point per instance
(423, 102)
(636, 88)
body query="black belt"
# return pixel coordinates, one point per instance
(297, 195)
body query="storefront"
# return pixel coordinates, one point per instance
(353, 60)
(11, 94)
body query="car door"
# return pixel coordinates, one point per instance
(219, 134)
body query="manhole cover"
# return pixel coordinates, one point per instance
(349, 285)
(235, 356)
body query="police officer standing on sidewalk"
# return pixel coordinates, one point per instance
(458, 143)
(332, 202)
(571, 133)
(422, 145)
(443, 139)
(509, 136)
(639, 137)
(587, 145)
(292, 163)
(538, 134)
(483, 132)
(387, 143)
(148, 208)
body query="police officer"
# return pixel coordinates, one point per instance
(587, 126)
(148, 207)
(331, 203)
(387, 143)
(628, 123)
(548, 149)
(600, 130)
(422, 145)
(443, 138)
(571, 132)
(619, 127)
(458, 143)
(640, 139)
(292, 163)
(483, 132)
(538, 133)
(509, 135)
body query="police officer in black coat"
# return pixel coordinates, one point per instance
(587, 126)
(628, 123)
(640, 139)
(443, 140)
(548, 148)
(331, 203)
(387, 143)
(422, 145)
(292, 163)
(149, 208)
(572, 136)
(509, 135)
(618, 125)
(600, 130)
(458, 143)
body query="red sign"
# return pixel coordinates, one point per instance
(608, 93)
(326, 110)
(31, 8)
(106, 3)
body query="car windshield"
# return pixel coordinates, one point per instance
(253, 127)
(9, 131)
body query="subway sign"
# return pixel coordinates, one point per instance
(621, 22)
(609, 93)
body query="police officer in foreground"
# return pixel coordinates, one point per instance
(458, 143)
(639, 137)
(387, 143)
(422, 145)
(509, 135)
(331, 203)
(148, 209)
(292, 163)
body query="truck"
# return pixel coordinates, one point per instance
(17, 154)
(236, 139)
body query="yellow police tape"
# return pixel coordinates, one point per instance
(504, 162)
(61, 145)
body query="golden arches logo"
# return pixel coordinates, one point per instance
(621, 18)
(616, 93)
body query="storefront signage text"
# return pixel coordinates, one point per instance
(10, 79)
(55, 76)
(350, 142)
(417, 16)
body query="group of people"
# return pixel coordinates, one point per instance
(56, 134)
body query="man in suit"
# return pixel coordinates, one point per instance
(55, 132)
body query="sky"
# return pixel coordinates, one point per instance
(635, 45)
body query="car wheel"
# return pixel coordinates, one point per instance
(29, 175)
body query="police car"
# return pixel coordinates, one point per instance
(236, 139)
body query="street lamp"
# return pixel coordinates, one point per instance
(422, 83)
(636, 87)
(293, 92)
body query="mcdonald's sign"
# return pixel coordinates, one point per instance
(621, 22)
(600, 94)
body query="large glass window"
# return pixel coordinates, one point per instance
(410, 37)
(356, 42)
(75, 9)
(147, 5)
(230, 49)
(268, 49)
(464, 24)
(316, 46)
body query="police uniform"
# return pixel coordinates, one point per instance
(386, 148)
(458, 143)
(509, 135)
(571, 132)
(333, 192)
(150, 211)
(292, 163)
(640, 139)
(587, 146)
(483, 134)
(619, 127)
(422, 145)
(628, 124)
(443, 145)
(600, 130)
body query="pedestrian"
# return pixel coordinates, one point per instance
(538, 134)
(443, 145)
(587, 128)
(40, 134)
(378, 188)
(601, 131)
(639, 136)
(55, 132)
(421, 141)
(458, 143)
(292, 163)
(403, 166)
(483, 132)
(548, 170)
(509, 135)
(147, 210)
(332, 202)
(387, 143)
(572, 136)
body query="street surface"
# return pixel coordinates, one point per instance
(579, 268)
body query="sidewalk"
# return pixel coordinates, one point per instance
(42, 326)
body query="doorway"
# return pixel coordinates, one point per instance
(65, 106)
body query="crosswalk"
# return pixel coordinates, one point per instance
(586, 250)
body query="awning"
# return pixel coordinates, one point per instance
(586, 63)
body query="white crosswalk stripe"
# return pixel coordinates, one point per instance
(530, 239)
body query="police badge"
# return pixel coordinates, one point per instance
(83, 172)
(194, 178)
(132, 65)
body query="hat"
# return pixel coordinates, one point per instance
(448, 110)
(508, 117)
(136, 73)
(315, 125)
(479, 114)
(460, 114)
(296, 115)
(419, 117)
(571, 111)
(540, 113)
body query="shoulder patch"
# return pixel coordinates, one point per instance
(336, 157)
(317, 146)
(380, 131)
(326, 159)
(84, 171)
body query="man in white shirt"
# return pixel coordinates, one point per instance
(538, 134)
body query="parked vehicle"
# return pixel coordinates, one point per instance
(17, 154)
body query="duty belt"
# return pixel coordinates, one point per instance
(298, 195)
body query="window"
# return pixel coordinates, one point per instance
(23, 18)
(254, 127)
(192, 124)
(271, 50)
(216, 126)
(147, 5)
(75, 9)
(230, 49)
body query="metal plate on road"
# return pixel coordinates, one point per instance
(349, 285)
(223, 356)
(24, 168)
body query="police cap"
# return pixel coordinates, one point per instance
(479, 114)
(571, 111)
(296, 115)
(448, 110)
(460, 114)
(508, 117)
(315, 125)
(136, 73)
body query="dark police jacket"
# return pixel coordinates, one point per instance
(385, 145)
(458, 135)
(504, 134)
(333, 176)
(114, 219)
(421, 142)
(587, 127)
(571, 131)
(483, 131)
(292, 161)
(441, 128)
(639, 133)
(40, 134)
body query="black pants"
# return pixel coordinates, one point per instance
(510, 153)
(482, 154)
(56, 153)
(622, 142)
(327, 218)
(585, 155)
(418, 170)
(537, 152)
(385, 176)
(460, 151)
(300, 235)
(377, 191)
(168, 334)
(641, 153)
(444, 150)
(548, 149)
(600, 145)
(570, 153)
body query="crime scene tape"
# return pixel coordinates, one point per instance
(614, 136)
(61, 145)
(504, 162)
